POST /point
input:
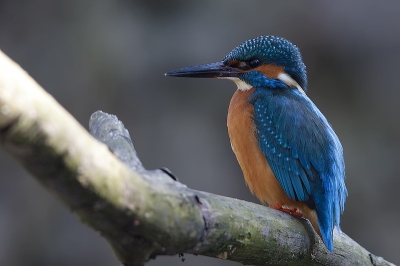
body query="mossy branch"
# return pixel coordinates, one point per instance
(145, 213)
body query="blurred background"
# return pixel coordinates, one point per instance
(112, 56)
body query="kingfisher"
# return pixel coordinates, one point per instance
(289, 154)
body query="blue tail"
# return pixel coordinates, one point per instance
(329, 206)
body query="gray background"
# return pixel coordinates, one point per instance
(112, 56)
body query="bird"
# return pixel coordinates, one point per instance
(289, 154)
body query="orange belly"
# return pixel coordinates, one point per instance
(256, 170)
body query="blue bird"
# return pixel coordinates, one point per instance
(289, 154)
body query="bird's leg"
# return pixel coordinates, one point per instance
(294, 211)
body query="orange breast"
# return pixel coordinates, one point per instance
(256, 170)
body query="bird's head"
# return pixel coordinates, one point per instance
(265, 61)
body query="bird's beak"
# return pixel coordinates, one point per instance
(213, 70)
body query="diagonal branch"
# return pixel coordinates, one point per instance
(145, 213)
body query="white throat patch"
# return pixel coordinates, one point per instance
(241, 85)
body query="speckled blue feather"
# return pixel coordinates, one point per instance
(300, 145)
(303, 152)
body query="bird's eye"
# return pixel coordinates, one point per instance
(255, 62)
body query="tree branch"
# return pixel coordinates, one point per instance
(145, 213)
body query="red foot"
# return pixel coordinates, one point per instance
(293, 211)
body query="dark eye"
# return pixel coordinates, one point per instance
(253, 63)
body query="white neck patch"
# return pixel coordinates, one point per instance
(290, 82)
(241, 85)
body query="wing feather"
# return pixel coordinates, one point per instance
(303, 151)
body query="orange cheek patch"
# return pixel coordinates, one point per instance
(270, 71)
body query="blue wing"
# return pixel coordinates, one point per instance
(303, 152)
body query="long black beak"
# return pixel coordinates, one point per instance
(213, 70)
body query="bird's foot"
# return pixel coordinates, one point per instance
(294, 211)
